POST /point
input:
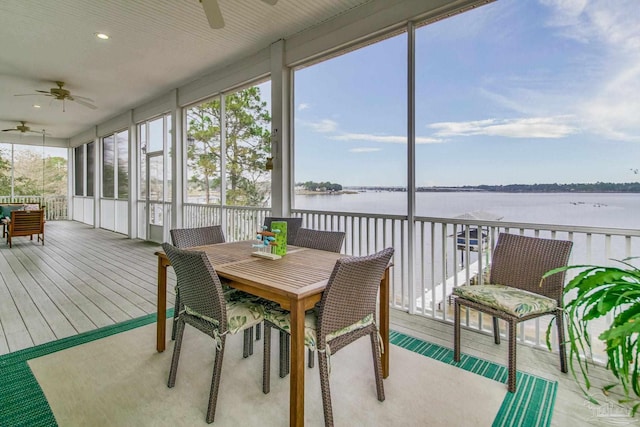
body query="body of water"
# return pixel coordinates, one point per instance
(615, 210)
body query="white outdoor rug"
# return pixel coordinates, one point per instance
(120, 380)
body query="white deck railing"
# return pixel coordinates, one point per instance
(55, 206)
(425, 273)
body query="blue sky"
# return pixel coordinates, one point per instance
(517, 91)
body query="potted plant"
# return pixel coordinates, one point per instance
(595, 292)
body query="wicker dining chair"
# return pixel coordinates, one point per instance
(515, 292)
(200, 236)
(346, 312)
(187, 238)
(319, 239)
(207, 309)
(330, 241)
(293, 225)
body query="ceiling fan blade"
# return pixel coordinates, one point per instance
(32, 94)
(213, 13)
(8, 130)
(46, 92)
(271, 2)
(82, 102)
(84, 98)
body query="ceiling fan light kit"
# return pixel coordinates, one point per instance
(23, 128)
(61, 94)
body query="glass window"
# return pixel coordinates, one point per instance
(203, 153)
(122, 144)
(115, 157)
(351, 131)
(5, 169)
(55, 171)
(90, 168)
(142, 134)
(79, 170)
(156, 135)
(248, 145)
(108, 165)
(499, 93)
(28, 178)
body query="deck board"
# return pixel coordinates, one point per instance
(81, 279)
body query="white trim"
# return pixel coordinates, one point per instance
(225, 79)
(154, 108)
(114, 125)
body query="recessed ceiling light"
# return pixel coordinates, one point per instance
(102, 36)
(36, 106)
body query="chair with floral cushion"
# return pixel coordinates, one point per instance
(189, 237)
(346, 312)
(293, 225)
(200, 236)
(314, 239)
(206, 308)
(515, 292)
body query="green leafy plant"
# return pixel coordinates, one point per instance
(600, 290)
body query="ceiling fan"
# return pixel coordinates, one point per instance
(214, 15)
(23, 128)
(63, 95)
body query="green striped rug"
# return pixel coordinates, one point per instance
(24, 404)
(530, 406)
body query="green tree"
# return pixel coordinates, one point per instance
(27, 173)
(247, 140)
(321, 186)
(55, 176)
(29, 179)
(5, 172)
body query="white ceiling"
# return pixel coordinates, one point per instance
(155, 46)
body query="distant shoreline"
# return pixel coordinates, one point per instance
(599, 187)
(330, 193)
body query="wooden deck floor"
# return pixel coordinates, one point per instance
(86, 278)
(81, 279)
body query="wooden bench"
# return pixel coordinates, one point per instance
(26, 223)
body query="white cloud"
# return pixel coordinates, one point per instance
(613, 110)
(537, 127)
(303, 106)
(364, 150)
(388, 139)
(322, 126)
(609, 108)
(602, 21)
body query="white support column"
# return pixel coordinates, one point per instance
(411, 163)
(223, 162)
(71, 176)
(281, 144)
(178, 148)
(133, 177)
(97, 179)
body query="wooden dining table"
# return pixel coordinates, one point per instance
(296, 282)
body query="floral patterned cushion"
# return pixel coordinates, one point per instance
(282, 319)
(514, 301)
(243, 311)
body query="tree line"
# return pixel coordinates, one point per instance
(597, 187)
(320, 186)
(32, 175)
